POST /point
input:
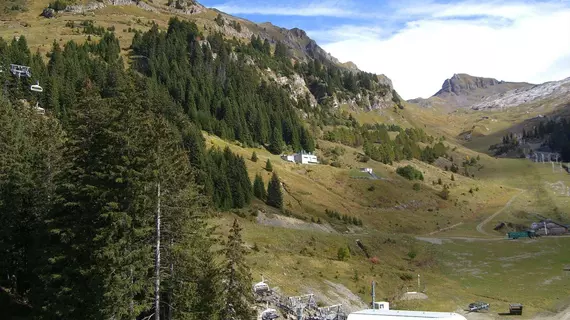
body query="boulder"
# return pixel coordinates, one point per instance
(48, 13)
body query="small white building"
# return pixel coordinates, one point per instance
(301, 157)
(367, 170)
(305, 158)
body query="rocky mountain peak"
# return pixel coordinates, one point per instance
(462, 83)
(464, 90)
(299, 33)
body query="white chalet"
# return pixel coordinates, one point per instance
(367, 170)
(301, 157)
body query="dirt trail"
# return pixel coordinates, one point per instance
(445, 229)
(491, 217)
(439, 240)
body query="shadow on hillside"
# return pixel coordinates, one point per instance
(481, 143)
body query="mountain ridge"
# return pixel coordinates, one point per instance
(463, 90)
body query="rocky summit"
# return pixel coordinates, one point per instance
(463, 90)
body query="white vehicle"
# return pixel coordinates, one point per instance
(375, 314)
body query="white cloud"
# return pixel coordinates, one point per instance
(513, 42)
(331, 8)
(360, 33)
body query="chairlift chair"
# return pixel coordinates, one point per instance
(36, 87)
(260, 287)
(39, 110)
(19, 70)
(269, 314)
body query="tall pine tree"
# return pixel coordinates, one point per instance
(274, 194)
(238, 296)
(259, 188)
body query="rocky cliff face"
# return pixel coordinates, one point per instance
(463, 90)
(95, 5)
(463, 84)
(559, 90)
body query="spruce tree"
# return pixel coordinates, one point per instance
(238, 297)
(187, 283)
(268, 166)
(254, 157)
(259, 188)
(276, 141)
(274, 194)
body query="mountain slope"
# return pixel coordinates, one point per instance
(526, 95)
(463, 90)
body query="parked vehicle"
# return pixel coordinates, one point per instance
(476, 306)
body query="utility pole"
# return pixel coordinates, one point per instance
(419, 287)
(157, 259)
(373, 294)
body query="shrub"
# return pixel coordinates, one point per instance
(444, 194)
(59, 5)
(410, 173)
(336, 164)
(412, 254)
(406, 276)
(416, 187)
(363, 158)
(343, 254)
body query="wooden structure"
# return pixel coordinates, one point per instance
(515, 309)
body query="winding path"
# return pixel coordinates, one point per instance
(491, 217)
(439, 240)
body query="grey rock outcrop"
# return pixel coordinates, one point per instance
(550, 90)
(48, 13)
(188, 7)
(95, 5)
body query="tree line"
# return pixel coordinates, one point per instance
(556, 135)
(218, 88)
(377, 144)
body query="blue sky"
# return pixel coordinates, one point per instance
(420, 43)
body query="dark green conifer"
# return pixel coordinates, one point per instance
(238, 297)
(259, 188)
(274, 194)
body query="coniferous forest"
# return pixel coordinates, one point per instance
(104, 200)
